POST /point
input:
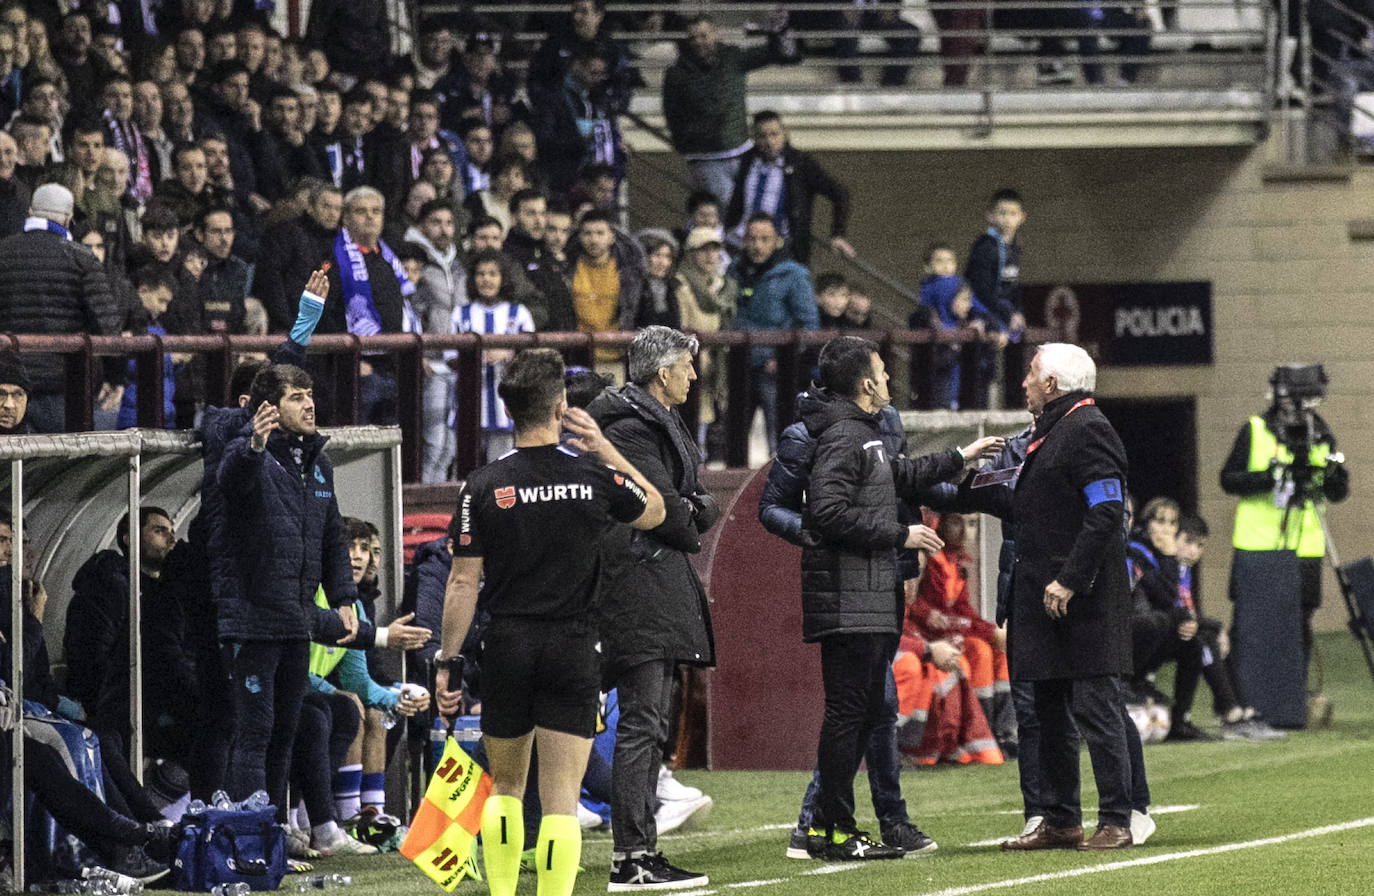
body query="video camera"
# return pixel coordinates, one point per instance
(1298, 390)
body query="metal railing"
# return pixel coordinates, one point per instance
(909, 355)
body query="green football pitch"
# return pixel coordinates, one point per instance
(1291, 816)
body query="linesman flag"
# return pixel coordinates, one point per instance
(442, 833)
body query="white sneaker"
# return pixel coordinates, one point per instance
(298, 844)
(673, 814)
(1142, 826)
(344, 845)
(586, 818)
(670, 788)
(1031, 824)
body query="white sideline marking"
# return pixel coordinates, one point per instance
(836, 868)
(1155, 860)
(1089, 823)
(745, 884)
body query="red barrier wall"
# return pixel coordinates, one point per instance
(765, 701)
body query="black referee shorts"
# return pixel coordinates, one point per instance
(540, 673)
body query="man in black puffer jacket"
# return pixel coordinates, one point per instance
(655, 613)
(851, 599)
(284, 539)
(52, 285)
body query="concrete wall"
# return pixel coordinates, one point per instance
(1288, 282)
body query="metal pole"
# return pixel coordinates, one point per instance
(16, 671)
(135, 635)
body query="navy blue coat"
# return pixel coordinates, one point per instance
(283, 538)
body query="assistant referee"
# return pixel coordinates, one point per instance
(532, 522)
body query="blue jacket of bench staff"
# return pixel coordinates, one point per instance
(283, 538)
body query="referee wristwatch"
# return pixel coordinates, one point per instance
(449, 664)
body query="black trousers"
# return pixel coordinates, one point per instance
(328, 725)
(270, 679)
(1094, 709)
(854, 674)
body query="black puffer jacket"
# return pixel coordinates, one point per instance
(283, 537)
(849, 580)
(51, 285)
(656, 607)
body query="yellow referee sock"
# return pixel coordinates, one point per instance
(503, 840)
(556, 854)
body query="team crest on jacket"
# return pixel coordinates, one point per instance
(505, 497)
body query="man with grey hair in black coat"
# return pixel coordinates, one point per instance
(655, 614)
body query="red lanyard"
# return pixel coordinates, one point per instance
(1031, 448)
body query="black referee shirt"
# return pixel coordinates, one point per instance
(536, 517)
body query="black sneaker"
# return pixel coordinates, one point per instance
(798, 844)
(163, 841)
(650, 872)
(859, 847)
(908, 838)
(1184, 730)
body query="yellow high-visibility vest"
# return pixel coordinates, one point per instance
(1258, 521)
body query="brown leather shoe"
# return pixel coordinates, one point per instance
(1047, 837)
(1108, 836)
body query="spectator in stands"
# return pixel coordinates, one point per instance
(658, 303)
(86, 143)
(229, 110)
(84, 70)
(832, 298)
(33, 138)
(280, 550)
(550, 302)
(480, 88)
(227, 277)
(557, 231)
(491, 309)
(903, 40)
(703, 99)
(188, 192)
(299, 245)
(703, 210)
(346, 150)
(607, 275)
(108, 207)
(948, 305)
(508, 177)
(774, 294)
(776, 178)
(658, 616)
(400, 164)
(595, 188)
(484, 232)
(576, 124)
(50, 285)
(154, 289)
(478, 146)
(11, 74)
(14, 395)
(435, 53)
(993, 270)
(438, 169)
(147, 116)
(179, 112)
(353, 35)
(287, 133)
(221, 44)
(190, 55)
(127, 137)
(14, 193)
(706, 301)
(442, 286)
(584, 31)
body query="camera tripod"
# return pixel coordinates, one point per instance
(1357, 621)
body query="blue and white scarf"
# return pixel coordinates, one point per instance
(360, 312)
(37, 223)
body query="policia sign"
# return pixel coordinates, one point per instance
(1128, 323)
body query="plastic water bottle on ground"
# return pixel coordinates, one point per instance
(235, 889)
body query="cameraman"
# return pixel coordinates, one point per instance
(1278, 496)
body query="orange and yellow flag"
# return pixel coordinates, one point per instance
(444, 830)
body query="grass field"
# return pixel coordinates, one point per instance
(1293, 816)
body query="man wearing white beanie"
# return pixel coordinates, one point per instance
(50, 284)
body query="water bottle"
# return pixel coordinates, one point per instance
(305, 884)
(408, 691)
(66, 887)
(196, 807)
(237, 889)
(221, 800)
(259, 800)
(104, 882)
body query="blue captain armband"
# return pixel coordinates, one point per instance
(1102, 491)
